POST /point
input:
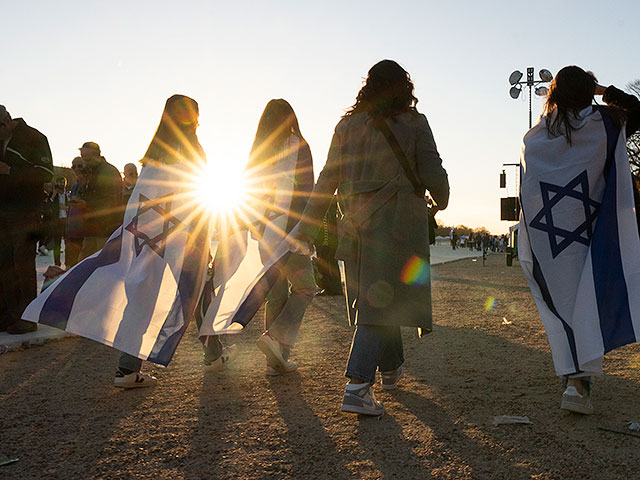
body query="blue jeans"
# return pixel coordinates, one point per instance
(212, 350)
(374, 347)
(284, 310)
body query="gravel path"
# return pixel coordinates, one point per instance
(60, 415)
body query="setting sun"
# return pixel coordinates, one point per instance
(222, 187)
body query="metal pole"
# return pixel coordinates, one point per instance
(530, 106)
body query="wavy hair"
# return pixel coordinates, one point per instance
(388, 91)
(570, 92)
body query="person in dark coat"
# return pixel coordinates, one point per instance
(383, 233)
(25, 166)
(102, 200)
(75, 214)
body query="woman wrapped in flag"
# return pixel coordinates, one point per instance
(578, 243)
(280, 169)
(175, 146)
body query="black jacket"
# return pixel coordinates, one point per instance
(29, 158)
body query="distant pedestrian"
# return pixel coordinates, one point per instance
(25, 165)
(130, 177)
(76, 212)
(59, 200)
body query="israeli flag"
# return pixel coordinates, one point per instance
(578, 240)
(253, 247)
(139, 292)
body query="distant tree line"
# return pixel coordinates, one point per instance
(633, 142)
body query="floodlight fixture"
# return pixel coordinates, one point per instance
(515, 92)
(515, 77)
(541, 91)
(545, 75)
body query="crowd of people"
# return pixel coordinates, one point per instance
(77, 217)
(478, 241)
(382, 160)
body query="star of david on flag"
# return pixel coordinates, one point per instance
(577, 188)
(158, 242)
(136, 299)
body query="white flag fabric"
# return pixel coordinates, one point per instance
(252, 250)
(578, 240)
(139, 292)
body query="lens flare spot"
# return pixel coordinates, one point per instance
(490, 304)
(380, 294)
(415, 272)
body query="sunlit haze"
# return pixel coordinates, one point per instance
(101, 71)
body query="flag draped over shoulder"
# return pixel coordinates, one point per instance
(252, 250)
(139, 292)
(578, 240)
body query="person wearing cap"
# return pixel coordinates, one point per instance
(25, 166)
(102, 199)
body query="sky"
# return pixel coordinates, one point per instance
(101, 71)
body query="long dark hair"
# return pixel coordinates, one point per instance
(175, 138)
(571, 91)
(277, 123)
(388, 91)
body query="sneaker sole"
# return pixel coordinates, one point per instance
(575, 407)
(271, 356)
(360, 410)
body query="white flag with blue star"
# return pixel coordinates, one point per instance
(139, 292)
(578, 240)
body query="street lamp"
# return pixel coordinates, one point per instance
(541, 90)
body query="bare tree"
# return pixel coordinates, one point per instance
(633, 142)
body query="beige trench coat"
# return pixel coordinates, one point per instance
(383, 231)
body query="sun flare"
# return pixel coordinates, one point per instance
(221, 187)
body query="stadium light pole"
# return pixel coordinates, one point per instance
(540, 90)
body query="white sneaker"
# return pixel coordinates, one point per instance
(390, 379)
(229, 354)
(272, 350)
(134, 380)
(574, 402)
(362, 401)
(274, 371)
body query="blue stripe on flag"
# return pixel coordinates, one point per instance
(608, 275)
(185, 302)
(546, 295)
(57, 308)
(538, 276)
(247, 309)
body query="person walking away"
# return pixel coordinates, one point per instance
(381, 160)
(25, 166)
(281, 168)
(581, 258)
(174, 143)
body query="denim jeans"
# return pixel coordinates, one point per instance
(212, 350)
(374, 347)
(284, 310)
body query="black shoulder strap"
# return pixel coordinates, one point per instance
(381, 125)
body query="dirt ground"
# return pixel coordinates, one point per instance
(61, 416)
